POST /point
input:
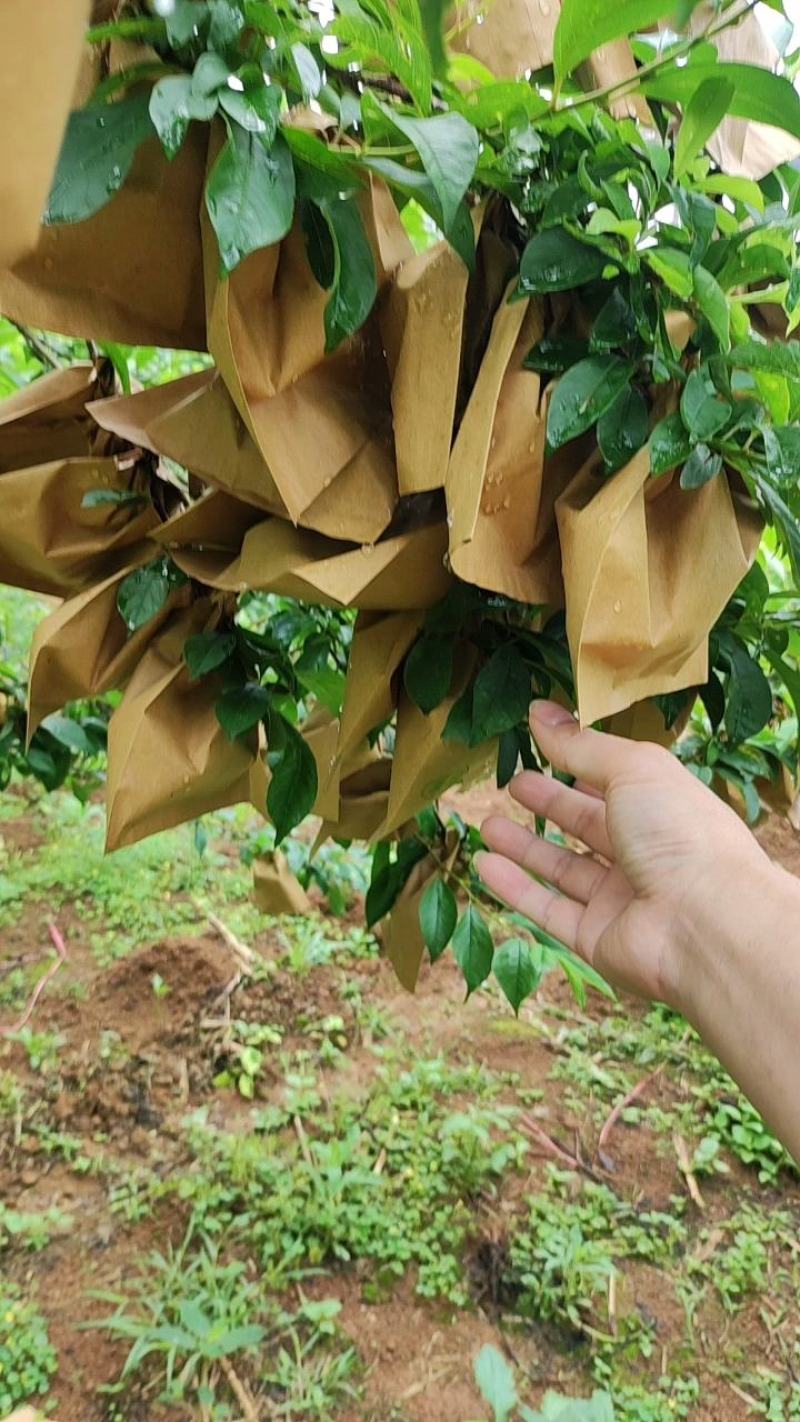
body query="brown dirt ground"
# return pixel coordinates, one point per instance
(158, 1063)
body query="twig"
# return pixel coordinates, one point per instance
(243, 954)
(685, 1167)
(305, 1148)
(614, 1115)
(39, 349)
(61, 950)
(241, 1393)
(532, 1128)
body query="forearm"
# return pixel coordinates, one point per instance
(740, 988)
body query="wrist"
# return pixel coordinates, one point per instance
(737, 914)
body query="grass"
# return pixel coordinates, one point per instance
(326, 1155)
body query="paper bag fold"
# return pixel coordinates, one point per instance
(133, 272)
(40, 52)
(648, 568)
(83, 647)
(276, 890)
(421, 324)
(49, 542)
(169, 759)
(378, 648)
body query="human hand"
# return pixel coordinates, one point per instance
(665, 857)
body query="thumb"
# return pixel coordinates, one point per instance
(591, 756)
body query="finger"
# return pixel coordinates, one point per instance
(556, 915)
(587, 789)
(592, 756)
(577, 875)
(578, 814)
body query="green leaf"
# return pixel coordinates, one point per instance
(473, 949)
(670, 444)
(583, 394)
(496, 1382)
(516, 972)
(182, 22)
(757, 93)
(294, 785)
(782, 448)
(615, 324)
(622, 430)
(554, 260)
(584, 25)
(143, 593)
(173, 105)
(354, 284)
(448, 148)
(433, 14)
(429, 672)
(673, 267)
(68, 733)
(240, 708)
(702, 116)
(748, 705)
(256, 108)
(501, 694)
(556, 353)
(114, 498)
(774, 357)
(308, 71)
(96, 157)
(703, 412)
(211, 74)
(507, 757)
(714, 305)
(437, 917)
(701, 466)
(250, 195)
(416, 185)
(206, 651)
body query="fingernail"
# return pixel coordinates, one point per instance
(549, 713)
(478, 860)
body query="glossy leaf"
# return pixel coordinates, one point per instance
(96, 157)
(294, 785)
(554, 260)
(516, 971)
(714, 305)
(585, 25)
(473, 948)
(438, 915)
(622, 429)
(207, 651)
(250, 195)
(670, 444)
(501, 695)
(701, 466)
(583, 394)
(429, 671)
(702, 116)
(240, 708)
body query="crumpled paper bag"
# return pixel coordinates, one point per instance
(133, 272)
(312, 416)
(510, 37)
(83, 647)
(400, 932)
(424, 765)
(648, 568)
(276, 890)
(378, 649)
(169, 759)
(739, 146)
(363, 803)
(41, 42)
(421, 324)
(50, 543)
(48, 419)
(403, 572)
(500, 490)
(215, 523)
(194, 421)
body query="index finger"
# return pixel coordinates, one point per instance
(591, 756)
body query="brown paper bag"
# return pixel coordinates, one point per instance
(507, 36)
(312, 416)
(134, 271)
(48, 420)
(400, 573)
(500, 492)
(195, 422)
(648, 568)
(378, 648)
(275, 888)
(49, 542)
(40, 52)
(424, 765)
(83, 647)
(215, 523)
(400, 932)
(421, 324)
(363, 803)
(169, 759)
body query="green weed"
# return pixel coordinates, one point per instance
(27, 1360)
